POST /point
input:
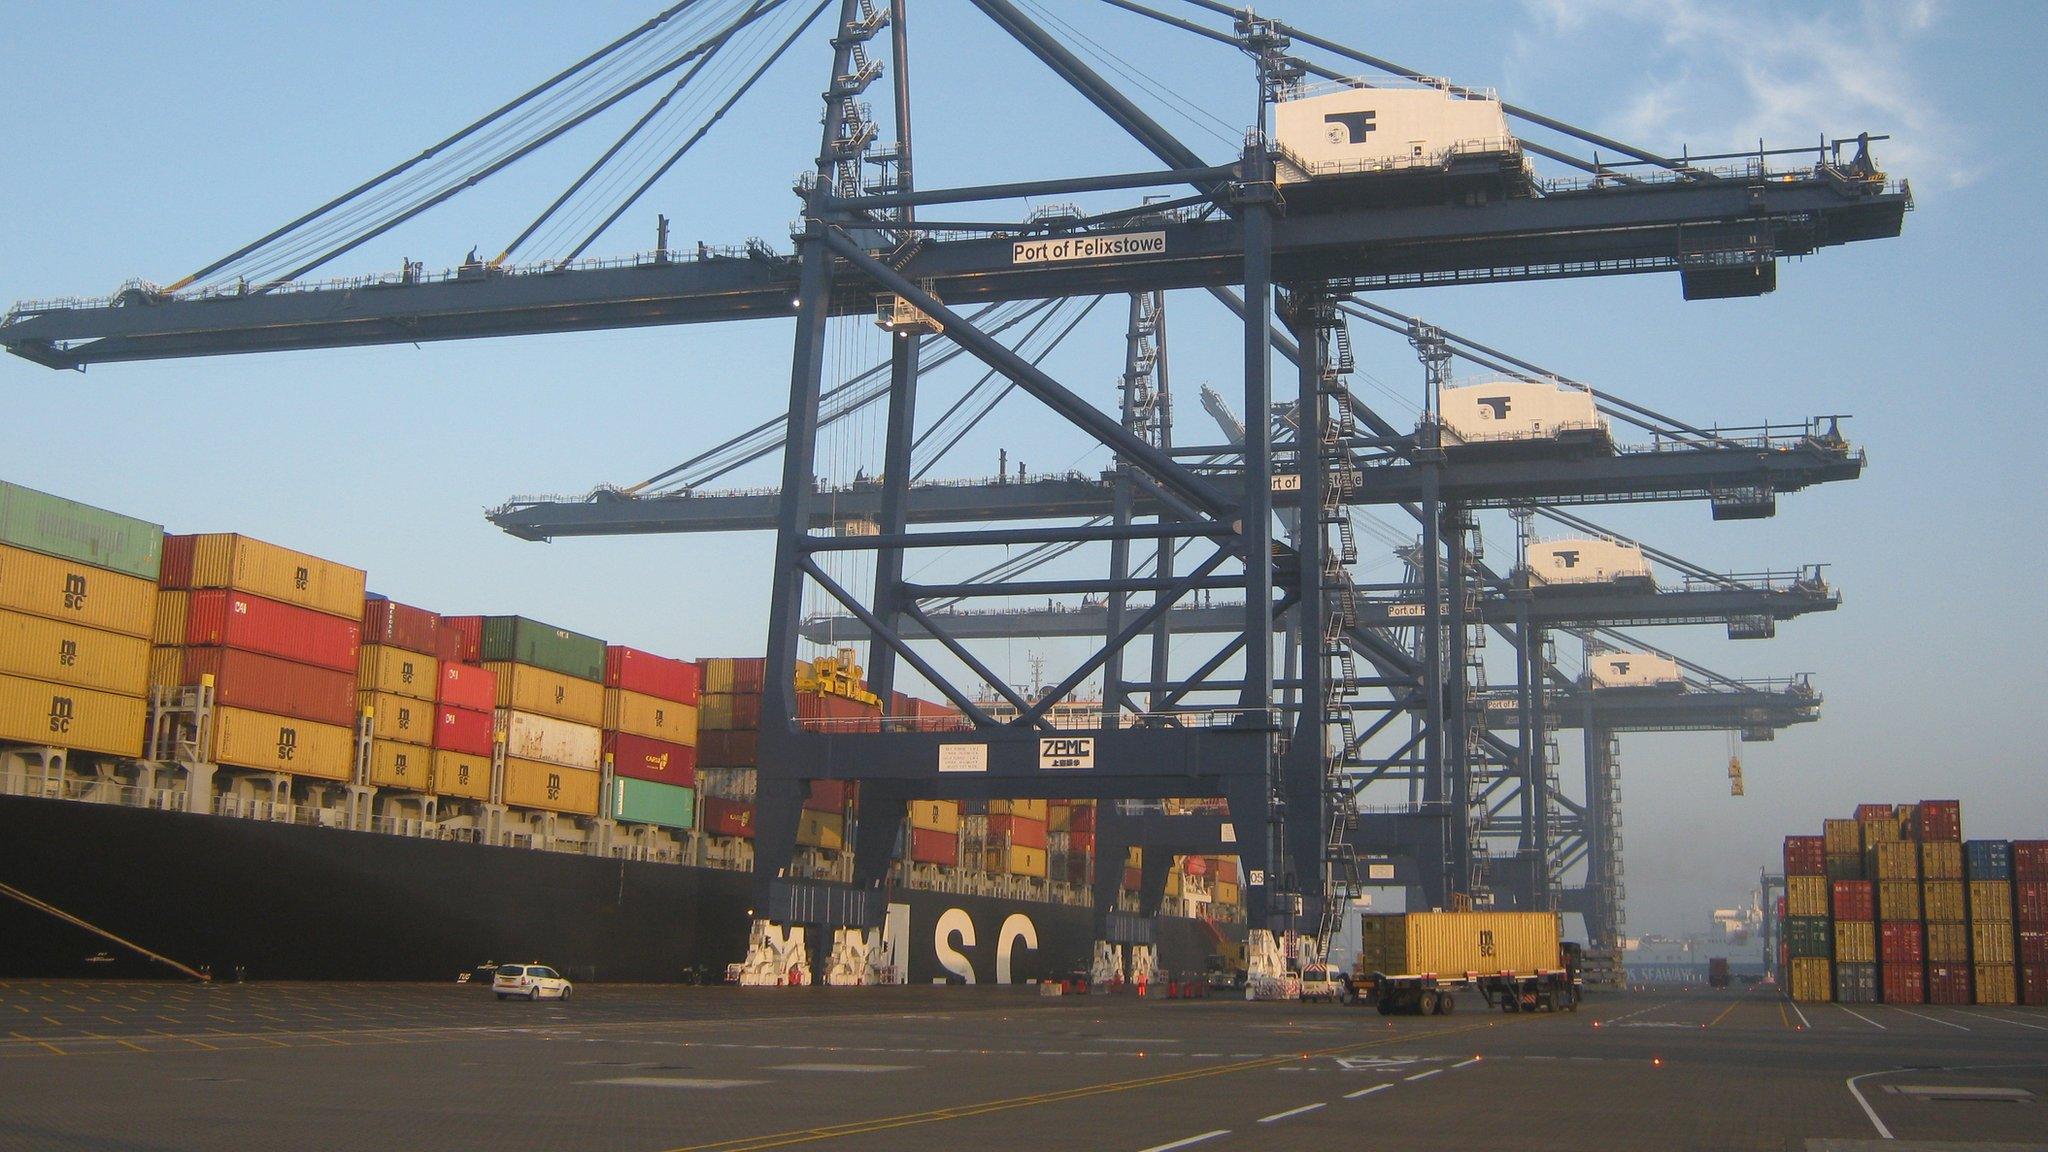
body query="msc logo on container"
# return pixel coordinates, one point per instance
(561, 693)
(301, 578)
(405, 671)
(61, 710)
(404, 718)
(287, 743)
(74, 591)
(398, 764)
(1066, 752)
(67, 652)
(554, 785)
(1486, 942)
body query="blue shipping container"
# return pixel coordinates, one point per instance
(1987, 860)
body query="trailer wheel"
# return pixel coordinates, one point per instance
(1511, 1001)
(1385, 1005)
(1446, 1004)
(1347, 995)
(1427, 1004)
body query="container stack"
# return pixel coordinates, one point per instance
(1987, 874)
(1893, 863)
(550, 708)
(465, 741)
(1853, 904)
(1943, 903)
(934, 831)
(398, 679)
(650, 737)
(1016, 844)
(1070, 841)
(2030, 918)
(78, 600)
(729, 721)
(279, 633)
(1807, 932)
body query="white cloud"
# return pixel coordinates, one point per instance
(1718, 75)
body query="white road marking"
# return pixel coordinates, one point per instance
(1423, 1075)
(1290, 1112)
(1466, 1064)
(1862, 1017)
(1803, 1021)
(1367, 1091)
(1867, 1109)
(2010, 1020)
(1638, 1012)
(674, 1082)
(1923, 1016)
(1185, 1143)
(841, 1068)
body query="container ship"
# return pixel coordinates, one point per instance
(225, 756)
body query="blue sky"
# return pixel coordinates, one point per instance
(152, 138)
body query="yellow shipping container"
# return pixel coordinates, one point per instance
(170, 618)
(1842, 837)
(1991, 942)
(1454, 943)
(1227, 892)
(1942, 900)
(551, 788)
(1942, 860)
(718, 674)
(228, 560)
(1996, 984)
(395, 765)
(1895, 860)
(166, 666)
(1028, 809)
(1173, 883)
(821, 830)
(1133, 856)
(1990, 900)
(1855, 942)
(66, 653)
(1880, 831)
(247, 739)
(64, 716)
(1898, 900)
(643, 715)
(1813, 979)
(1021, 861)
(936, 816)
(1948, 942)
(1806, 895)
(79, 593)
(385, 669)
(461, 774)
(714, 712)
(525, 688)
(1059, 817)
(399, 718)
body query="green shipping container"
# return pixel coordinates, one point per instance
(522, 641)
(64, 528)
(645, 802)
(1809, 936)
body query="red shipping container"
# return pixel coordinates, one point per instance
(1132, 878)
(724, 817)
(1941, 820)
(2033, 946)
(462, 639)
(1805, 856)
(2033, 985)
(1082, 819)
(827, 796)
(175, 569)
(728, 749)
(468, 686)
(268, 684)
(1902, 984)
(1948, 984)
(746, 712)
(655, 760)
(387, 622)
(1226, 869)
(220, 618)
(2030, 859)
(932, 847)
(1781, 909)
(1019, 831)
(1853, 900)
(2030, 903)
(1873, 812)
(1081, 843)
(465, 730)
(1901, 942)
(651, 675)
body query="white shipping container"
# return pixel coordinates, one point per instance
(1636, 670)
(533, 737)
(1367, 129)
(1587, 560)
(1517, 410)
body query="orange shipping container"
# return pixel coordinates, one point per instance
(525, 688)
(170, 617)
(935, 815)
(78, 593)
(66, 653)
(404, 766)
(460, 774)
(649, 716)
(550, 787)
(228, 560)
(1947, 942)
(1942, 860)
(382, 668)
(821, 830)
(1990, 900)
(399, 718)
(1991, 942)
(1942, 900)
(260, 740)
(61, 716)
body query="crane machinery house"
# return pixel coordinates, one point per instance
(1354, 129)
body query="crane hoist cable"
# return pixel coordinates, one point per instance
(968, 425)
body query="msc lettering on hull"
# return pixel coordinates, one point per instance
(953, 950)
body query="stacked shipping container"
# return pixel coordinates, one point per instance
(650, 737)
(1987, 875)
(398, 680)
(2030, 918)
(78, 592)
(550, 705)
(1809, 948)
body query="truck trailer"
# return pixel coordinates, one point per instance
(1418, 962)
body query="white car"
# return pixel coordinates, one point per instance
(533, 981)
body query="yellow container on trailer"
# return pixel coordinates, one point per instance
(460, 774)
(382, 668)
(245, 738)
(170, 618)
(1855, 942)
(399, 718)
(66, 716)
(1813, 979)
(1454, 943)
(525, 688)
(230, 560)
(396, 765)
(1806, 895)
(551, 787)
(76, 593)
(642, 715)
(66, 653)
(936, 816)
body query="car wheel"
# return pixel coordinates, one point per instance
(566, 991)
(533, 993)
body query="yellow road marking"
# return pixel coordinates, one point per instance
(53, 1048)
(1782, 1016)
(880, 1124)
(1722, 1016)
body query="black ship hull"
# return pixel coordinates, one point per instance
(276, 901)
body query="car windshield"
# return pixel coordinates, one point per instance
(512, 970)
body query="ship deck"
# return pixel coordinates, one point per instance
(638, 1068)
